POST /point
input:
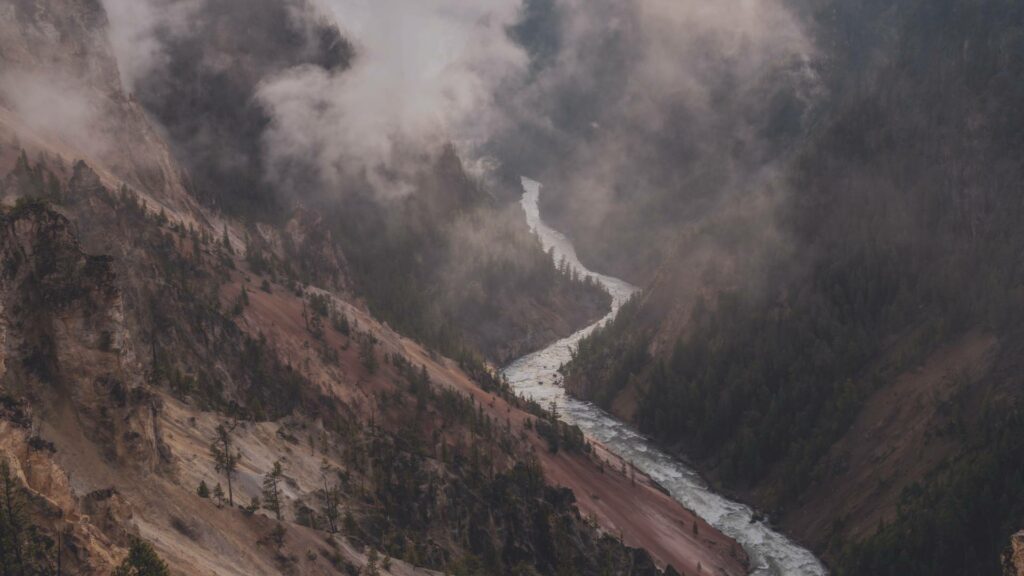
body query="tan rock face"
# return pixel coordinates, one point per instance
(61, 92)
(51, 503)
(1013, 558)
(64, 336)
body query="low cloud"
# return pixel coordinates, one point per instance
(57, 106)
(653, 112)
(629, 93)
(138, 31)
(425, 73)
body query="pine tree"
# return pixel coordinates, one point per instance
(226, 456)
(371, 564)
(254, 505)
(227, 241)
(277, 535)
(330, 497)
(271, 490)
(13, 524)
(142, 560)
(218, 494)
(367, 355)
(203, 491)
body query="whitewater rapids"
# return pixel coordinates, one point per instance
(536, 376)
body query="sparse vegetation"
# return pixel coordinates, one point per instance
(24, 549)
(271, 490)
(142, 560)
(225, 456)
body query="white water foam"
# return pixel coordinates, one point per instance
(536, 376)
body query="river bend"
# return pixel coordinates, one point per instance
(536, 376)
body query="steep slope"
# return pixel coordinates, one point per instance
(347, 400)
(426, 243)
(61, 91)
(135, 322)
(848, 362)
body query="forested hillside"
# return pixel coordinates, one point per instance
(425, 244)
(900, 237)
(260, 259)
(204, 371)
(133, 363)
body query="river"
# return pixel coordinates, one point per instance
(536, 376)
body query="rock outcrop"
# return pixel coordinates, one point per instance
(1013, 558)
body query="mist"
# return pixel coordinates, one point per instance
(643, 116)
(424, 74)
(349, 92)
(55, 105)
(603, 97)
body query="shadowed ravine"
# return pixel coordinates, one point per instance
(536, 376)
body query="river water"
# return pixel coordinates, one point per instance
(536, 376)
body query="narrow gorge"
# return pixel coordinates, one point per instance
(536, 376)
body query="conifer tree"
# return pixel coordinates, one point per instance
(367, 355)
(13, 524)
(330, 497)
(227, 241)
(371, 564)
(142, 560)
(226, 456)
(271, 490)
(277, 535)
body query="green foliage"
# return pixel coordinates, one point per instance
(203, 491)
(277, 535)
(241, 302)
(902, 225)
(142, 560)
(271, 491)
(330, 497)
(258, 262)
(339, 321)
(274, 388)
(469, 502)
(225, 456)
(253, 506)
(24, 549)
(368, 354)
(319, 304)
(225, 241)
(371, 568)
(36, 184)
(958, 521)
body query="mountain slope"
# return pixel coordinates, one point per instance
(866, 351)
(135, 321)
